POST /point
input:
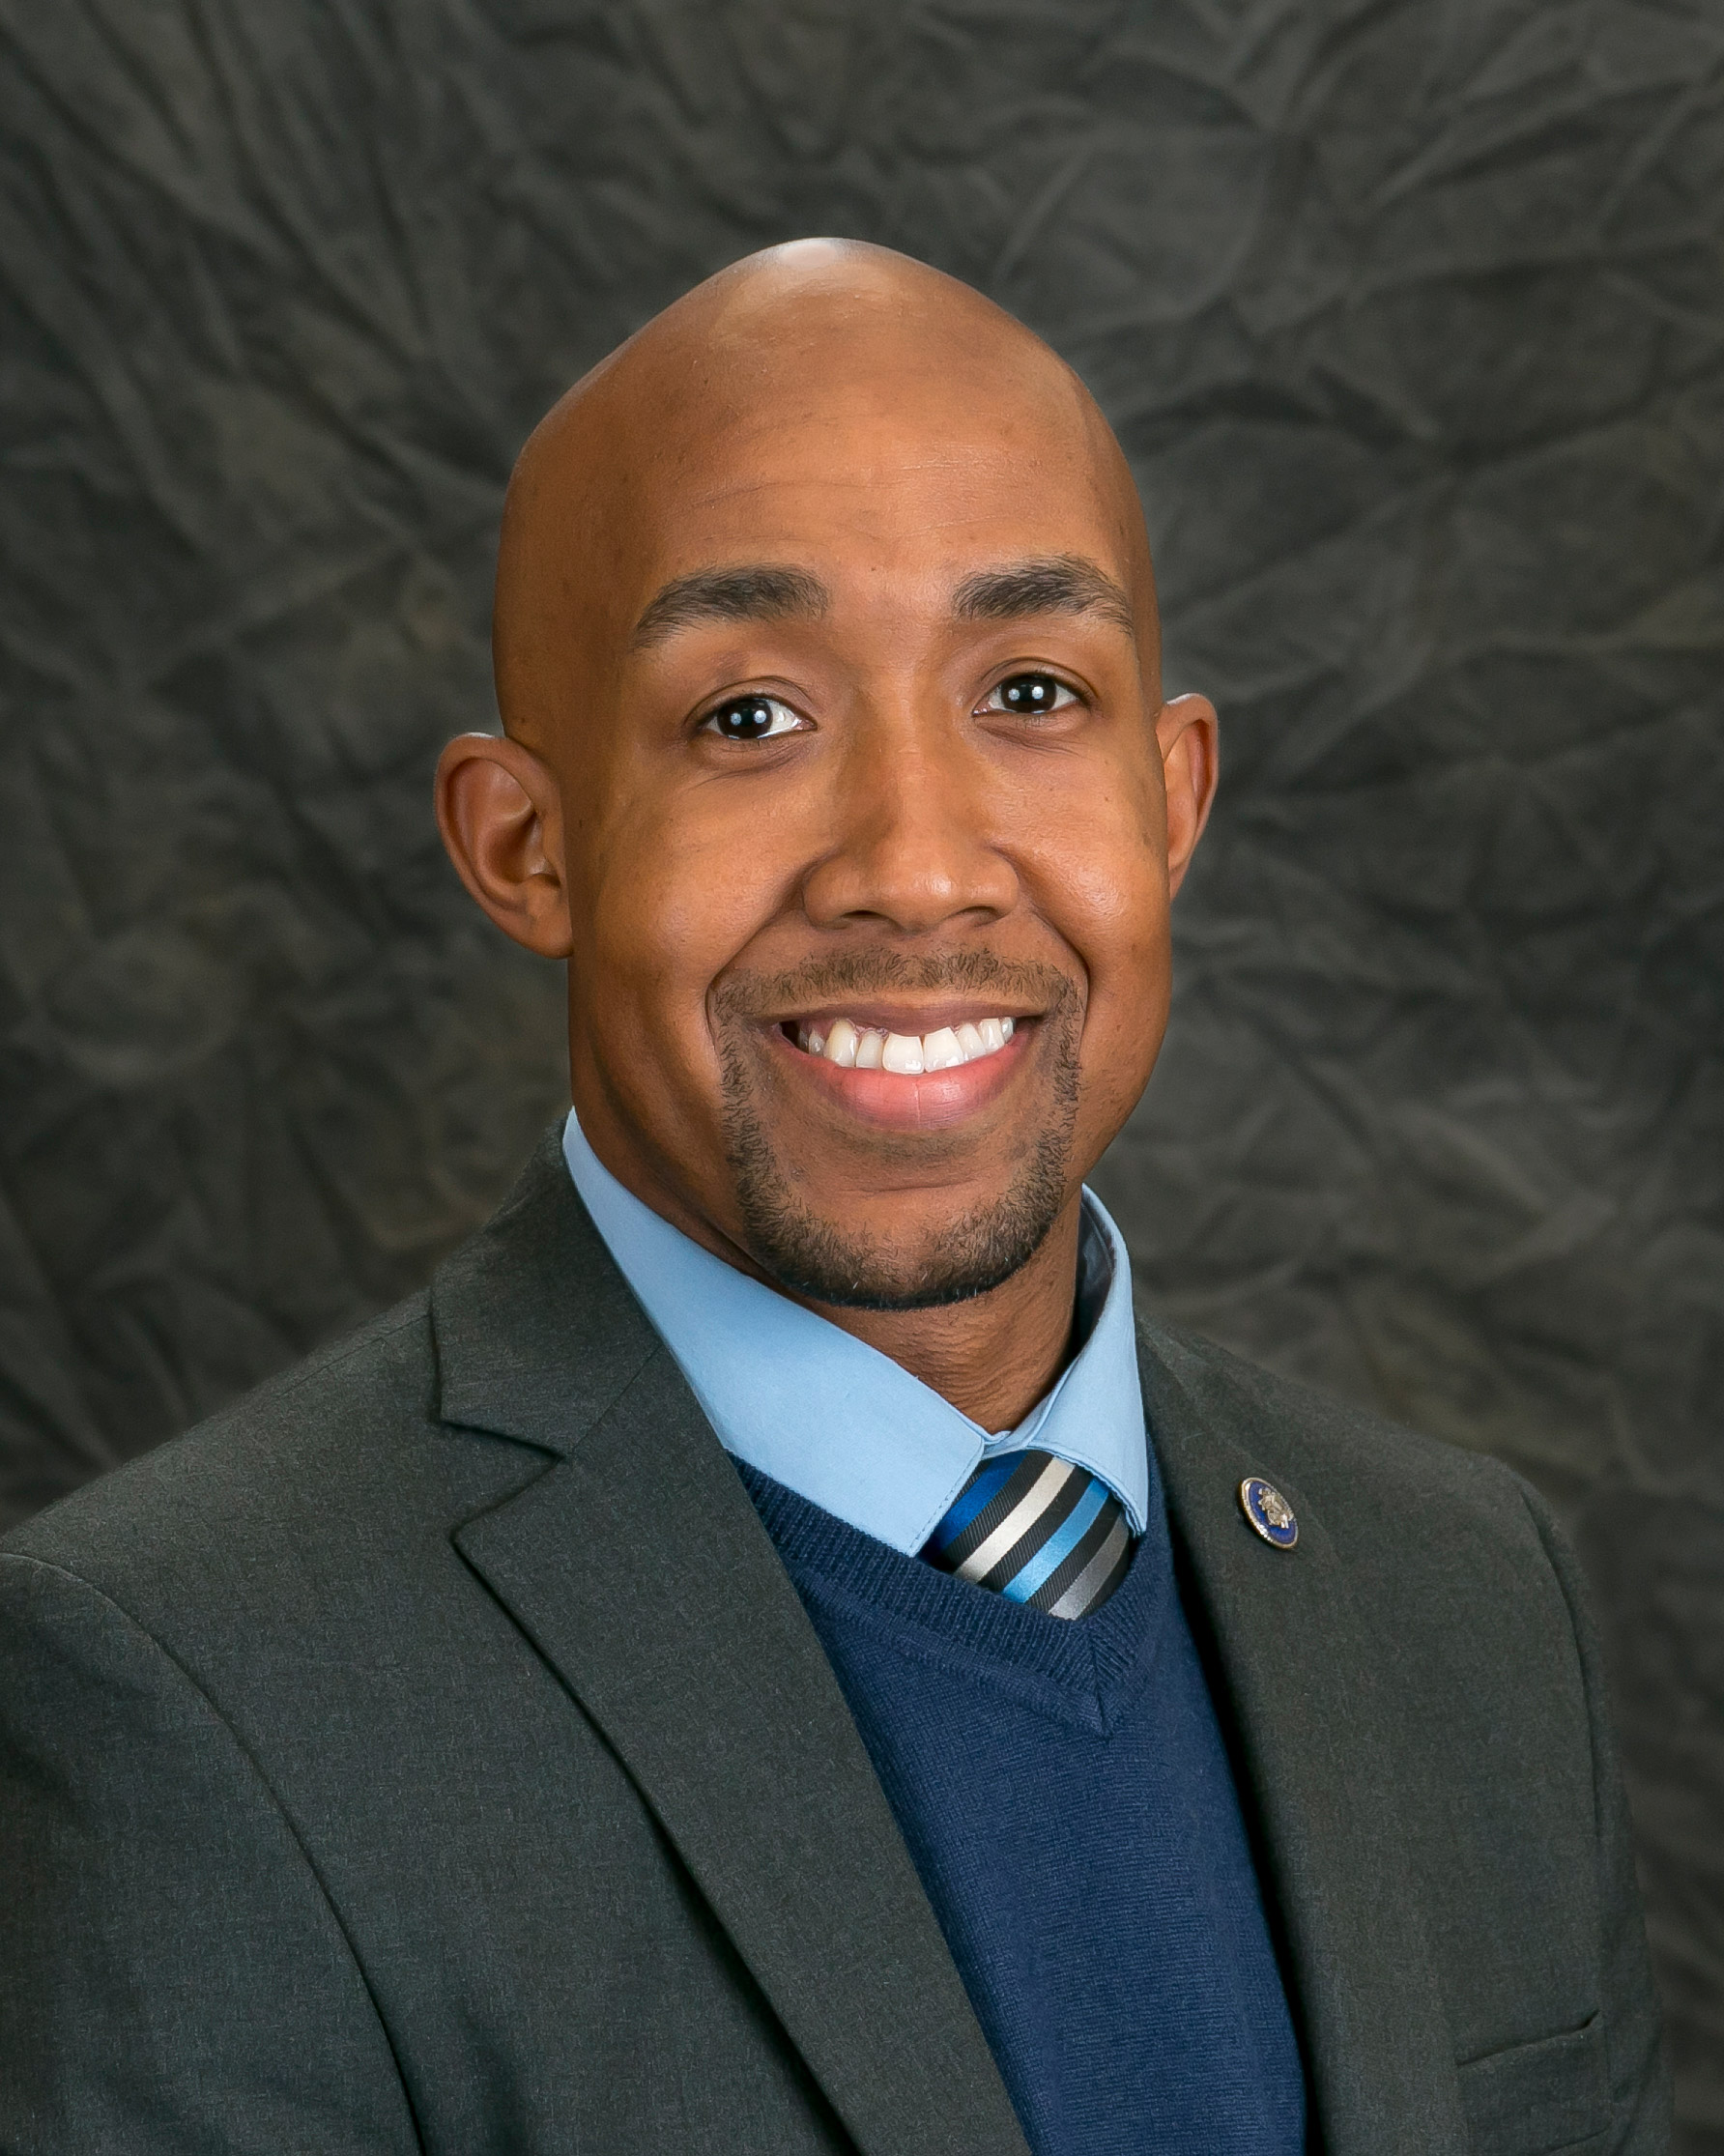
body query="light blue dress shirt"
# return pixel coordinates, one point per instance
(842, 1425)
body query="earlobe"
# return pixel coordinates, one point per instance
(1187, 731)
(501, 817)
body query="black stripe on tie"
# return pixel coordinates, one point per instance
(1113, 1578)
(1001, 1505)
(1072, 1566)
(1083, 1598)
(1064, 1501)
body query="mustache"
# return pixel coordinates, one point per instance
(976, 971)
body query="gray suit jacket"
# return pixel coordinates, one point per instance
(432, 1754)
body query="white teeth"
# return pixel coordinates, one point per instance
(870, 1049)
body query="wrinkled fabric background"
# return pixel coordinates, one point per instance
(1410, 314)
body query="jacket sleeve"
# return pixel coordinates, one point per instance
(1639, 2078)
(172, 1976)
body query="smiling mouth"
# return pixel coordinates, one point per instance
(872, 1048)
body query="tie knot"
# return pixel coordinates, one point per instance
(1037, 1529)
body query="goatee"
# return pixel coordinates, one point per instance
(811, 1254)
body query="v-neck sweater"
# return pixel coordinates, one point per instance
(1066, 1796)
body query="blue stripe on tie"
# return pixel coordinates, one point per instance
(1060, 1544)
(989, 1482)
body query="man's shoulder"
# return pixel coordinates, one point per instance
(1366, 1475)
(305, 1451)
(1445, 1575)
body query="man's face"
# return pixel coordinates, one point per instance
(865, 842)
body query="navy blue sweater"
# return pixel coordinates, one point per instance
(1066, 1796)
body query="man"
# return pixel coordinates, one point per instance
(764, 1656)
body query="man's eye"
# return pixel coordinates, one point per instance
(751, 718)
(1030, 696)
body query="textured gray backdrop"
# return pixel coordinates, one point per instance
(1411, 316)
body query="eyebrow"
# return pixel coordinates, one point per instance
(1060, 584)
(758, 593)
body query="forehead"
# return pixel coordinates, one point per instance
(876, 485)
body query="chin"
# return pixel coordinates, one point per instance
(970, 1253)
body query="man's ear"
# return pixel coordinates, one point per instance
(501, 816)
(1187, 730)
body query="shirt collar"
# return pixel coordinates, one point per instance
(842, 1425)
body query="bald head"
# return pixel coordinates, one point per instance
(824, 366)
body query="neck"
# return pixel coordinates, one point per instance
(994, 1356)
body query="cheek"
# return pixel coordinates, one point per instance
(678, 887)
(1103, 879)
(1099, 865)
(1131, 981)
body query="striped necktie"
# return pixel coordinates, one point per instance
(1038, 1529)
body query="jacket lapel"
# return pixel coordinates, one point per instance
(1299, 1681)
(639, 1570)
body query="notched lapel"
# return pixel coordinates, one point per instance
(641, 1573)
(1300, 1683)
(637, 1567)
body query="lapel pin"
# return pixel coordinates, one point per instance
(1268, 1511)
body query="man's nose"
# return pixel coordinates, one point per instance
(914, 843)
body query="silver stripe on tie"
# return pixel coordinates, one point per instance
(1077, 1598)
(1019, 1521)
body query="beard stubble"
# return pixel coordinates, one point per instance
(811, 1254)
